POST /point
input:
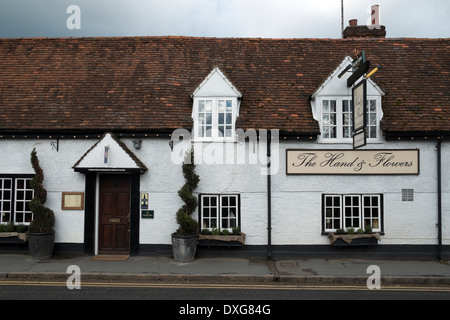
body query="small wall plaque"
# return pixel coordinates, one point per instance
(72, 201)
(144, 201)
(148, 214)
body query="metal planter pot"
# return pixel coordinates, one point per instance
(40, 245)
(184, 248)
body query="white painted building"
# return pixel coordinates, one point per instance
(103, 152)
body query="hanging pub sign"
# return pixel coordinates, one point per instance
(359, 105)
(359, 139)
(360, 67)
(352, 162)
(359, 95)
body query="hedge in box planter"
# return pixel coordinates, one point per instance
(11, 233)
(41, 236)
(350, 237)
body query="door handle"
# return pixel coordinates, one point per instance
(128, 217)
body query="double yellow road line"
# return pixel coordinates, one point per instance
(223, 286)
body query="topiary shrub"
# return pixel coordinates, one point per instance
(43, 217)
(188, 225)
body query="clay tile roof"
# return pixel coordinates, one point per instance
(143, 84)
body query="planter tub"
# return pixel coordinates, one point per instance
(184, 248)
(41, 245)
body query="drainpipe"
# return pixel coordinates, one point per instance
(439, 172)
(269, 198)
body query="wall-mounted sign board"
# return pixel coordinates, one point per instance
(352, 162)
(144, 201)
(147, 214)
(72, 201)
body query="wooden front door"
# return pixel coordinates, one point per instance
(114, 214)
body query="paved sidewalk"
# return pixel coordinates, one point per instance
(298, 271)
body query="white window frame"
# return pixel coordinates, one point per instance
(215, 134)
(339, 124)
(6, 200)
(232, 212)
(19, 199)
(347, 211)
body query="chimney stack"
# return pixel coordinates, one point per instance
(375, 30)
(375, 17)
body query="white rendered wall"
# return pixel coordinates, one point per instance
(296, 200)
(164, 179)
(58, 177)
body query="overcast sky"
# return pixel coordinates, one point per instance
(220, 18)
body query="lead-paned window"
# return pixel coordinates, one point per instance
(347, 121)
(225, 118)
(205, 120)
(352, 211)
(332, 208)
(337, 120)
(219, 212)
(15, 196)
(329, 119)
(215, 119)
(372, 119)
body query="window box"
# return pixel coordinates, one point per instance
(222, 240)
(343, 240)
(13, 237)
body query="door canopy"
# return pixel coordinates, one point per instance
(109, 154)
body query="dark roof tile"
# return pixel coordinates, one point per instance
(144, 83)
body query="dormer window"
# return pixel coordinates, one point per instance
(332, 108)
(337, 115)
(215, 108)
(216, 118)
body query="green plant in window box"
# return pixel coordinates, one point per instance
(225, 236)
(234, 231)
(354, 237)
(21, 228)
(11, 233)
(205, 232)
(351, 230)
(10, 227)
